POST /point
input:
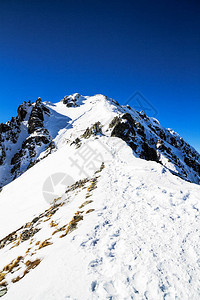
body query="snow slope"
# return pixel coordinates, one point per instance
(42, 128)
(128, 230)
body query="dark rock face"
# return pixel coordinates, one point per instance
(152, 142)
(28, 154)
(123, 128)
(36, 138)
(9, 132)
(2, 154)
(36, 119)
(114, 122)
(191, 163)
(23, 139)
(77, 143)
(71, 101)
(37, 116)
(4, 128)
(161, 146)
(3, 290)
(149, 153)
(94, 130)
(50, 148)
(22, 112)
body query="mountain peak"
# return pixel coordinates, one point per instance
(90, 207)
(31, 136)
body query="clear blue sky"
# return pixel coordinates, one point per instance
(53, 48)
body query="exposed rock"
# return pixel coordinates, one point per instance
(48, 151)
(192, 164)
(71, 101)
(4, 128)
(27, 234)
(2, 154)
(36, 137)
(36, 119)
(140, 130)
(28, 153)
(147, 138)
(149, 153)
(160, 145)
(93, 130)
(3, 290)
(77, 142)
(151, 142)
(37, 116)
(22, 112)
(124, 130)
(173, 141)
(114, 122)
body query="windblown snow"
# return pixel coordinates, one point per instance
(93, 220)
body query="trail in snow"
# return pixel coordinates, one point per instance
(140, 241)
(147, 239)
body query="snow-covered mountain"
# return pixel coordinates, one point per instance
(32, 135)
(90, 207)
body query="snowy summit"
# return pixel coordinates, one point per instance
(97, 201)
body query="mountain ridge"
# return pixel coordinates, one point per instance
(26, 139)
(101, 216)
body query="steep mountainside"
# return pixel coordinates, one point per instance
(90, 207)
(25, 137)
(32, 135)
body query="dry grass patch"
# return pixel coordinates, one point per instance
(85, 203)
(63, 228)
(88, 195)
(28, 250)
(45, 244)
(53, 224)
(14, 264)
(3, 283)
(89, 211)
(78, 213)
(28, 225)
(72, 224)
(30, 265)
(18, 278)
(2, 276)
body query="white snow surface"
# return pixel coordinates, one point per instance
(142, 241)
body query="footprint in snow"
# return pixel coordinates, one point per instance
(186, 196)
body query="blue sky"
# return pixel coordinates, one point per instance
(53, 48)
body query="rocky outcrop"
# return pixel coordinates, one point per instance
(27, 155)
(71, 101)
(152, 142)
(37, 116)
(2, 153)
(26, 134)
(24, 140)
(4, 128)
(93, 130)
(9, 133)
(22, 112)
(123, 127)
